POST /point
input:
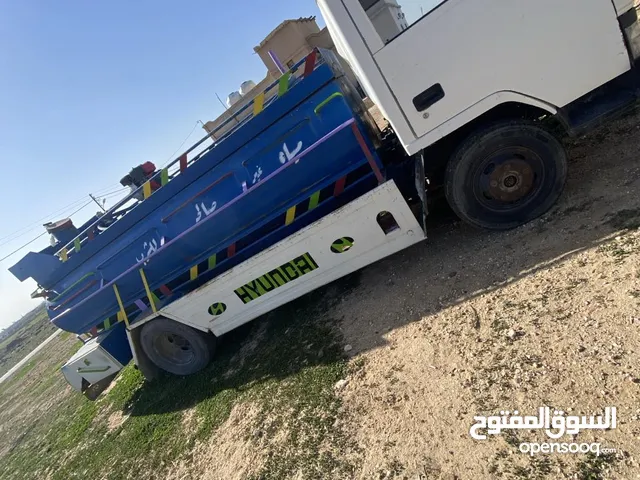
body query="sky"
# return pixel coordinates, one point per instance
(90, 89)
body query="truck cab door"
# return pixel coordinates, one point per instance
(447, 64)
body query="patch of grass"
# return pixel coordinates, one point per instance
(392, 470)
(499, 324)
(511, 438)
(304, 406)
(23, 371)
(594, 467)
(576, 282)
(49, 380)
(620, 248)
(288, 374)
(538, 468)
(67, 433)
(128, 383)
(22, 337)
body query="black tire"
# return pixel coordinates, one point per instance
(176, 348)
(505, 175)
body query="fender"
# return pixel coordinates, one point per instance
(473, 112)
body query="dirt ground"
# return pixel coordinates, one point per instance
(380, 375)
(472, 323)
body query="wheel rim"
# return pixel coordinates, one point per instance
(174, 348)
(508, 179)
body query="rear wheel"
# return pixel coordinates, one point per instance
(505, 175)
(176, 348)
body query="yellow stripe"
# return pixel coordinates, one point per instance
(124, 314)
(64, 255)
(149, 294)
(155, 298)
(291, 214)
(146, 190)
(193, 272)
(119, 316)
(313, 200)
(258, 103)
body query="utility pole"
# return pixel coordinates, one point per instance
(97, 202)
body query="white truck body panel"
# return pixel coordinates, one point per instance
(356, 220)
(559, 51)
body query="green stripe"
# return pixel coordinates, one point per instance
(212, 261)
(164, 176)
(283, 84)
(107, 323)
(76, 244)
(72, 286)
(93, 370)
(323, 103)
(313, 200)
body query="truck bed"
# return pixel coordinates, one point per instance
(295, 160)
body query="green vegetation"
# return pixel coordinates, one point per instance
(593, 467)
(23, 336)
(284, 365)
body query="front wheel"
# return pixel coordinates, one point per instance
(505, 175)
(176, 348)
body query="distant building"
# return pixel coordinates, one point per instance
(387, 17)
(290, 41)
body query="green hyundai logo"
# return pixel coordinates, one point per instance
(341, 245)
(217, 308)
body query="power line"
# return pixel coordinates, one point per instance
(171, 157)
(59, 212)
(37, 224)
(110, 187)
(108, 194)
(115, 192)
(20, 248)
(113, 195)
(41, 235)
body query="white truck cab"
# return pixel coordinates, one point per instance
(468, 83)
(465, 57)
